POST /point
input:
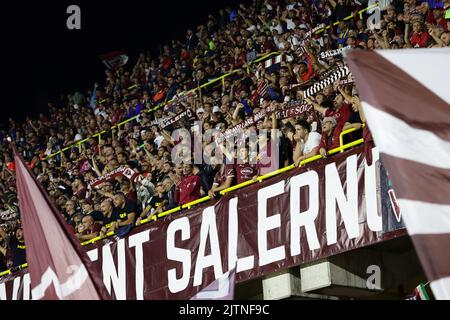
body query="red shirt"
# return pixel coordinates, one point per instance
(11, 166)
(245, 172)
(189, 189)
(221, 176)
(341, 115)
(330, 142)
(97, 227)
(310, 72)
(420, 39)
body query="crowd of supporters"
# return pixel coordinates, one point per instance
(112, 182)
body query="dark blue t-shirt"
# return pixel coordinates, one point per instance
(17, 251)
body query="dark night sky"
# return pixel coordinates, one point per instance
(41, 58)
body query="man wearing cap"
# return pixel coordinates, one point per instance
(330, 136)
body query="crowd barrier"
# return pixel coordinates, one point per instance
(99, 134)
(189, 205)
(341, 147)
(360, 12)
(221, 78)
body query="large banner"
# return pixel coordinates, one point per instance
(332, 206)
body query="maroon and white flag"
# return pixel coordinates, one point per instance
(405, 98)
(58, 266)
(220, 289)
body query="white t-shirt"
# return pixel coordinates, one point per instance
(158, 140)
(277, 27)
(290, 25)
(312, 142)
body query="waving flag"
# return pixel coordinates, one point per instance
(59, 268)
(114, 60)
(420, 293)
(220, 289)
(405, 97)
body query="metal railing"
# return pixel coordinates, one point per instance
(236, 187)
(189, 205)
(99, 134)
(360, 12)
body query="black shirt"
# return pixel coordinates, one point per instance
(156, 201)
(97, 215)
(285, 152)
(108, 220)
(123, 213)
(17, 251)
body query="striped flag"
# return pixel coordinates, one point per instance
(420, 293)
(405, 98)
(59, 267)
(261, 91)
(272, 61)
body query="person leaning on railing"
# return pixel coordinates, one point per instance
(330, 136)
(115, 100)
(16, 245)
(307, 142)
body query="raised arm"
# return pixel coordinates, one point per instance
(316, 106)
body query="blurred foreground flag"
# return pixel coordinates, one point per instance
(405, 98)
(220, 289)
(114, 60)
(420, 293)
(58, 266)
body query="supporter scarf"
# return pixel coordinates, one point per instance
(289, 110)
(165, 122)
(187, 114)
(319, 86)
(332, 53)
(122, 171)
(314, 30)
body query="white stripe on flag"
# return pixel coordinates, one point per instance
(433, 72)
(405, 142)
(441, 288)
(425, 218)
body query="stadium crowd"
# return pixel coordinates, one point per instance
(112, 182)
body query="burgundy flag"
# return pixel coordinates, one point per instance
(58, 266)
(405, 98)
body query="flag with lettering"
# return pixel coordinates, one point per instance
(406, 101)
(58, 266)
